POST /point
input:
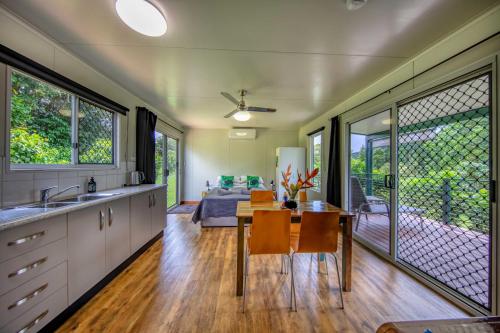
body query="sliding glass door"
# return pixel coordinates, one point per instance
(444, 195)
(166, 164)
(420, 179)
(370, 179)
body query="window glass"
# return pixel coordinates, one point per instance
(95, 134)
(42, 131)
(316, 159)
(40, 123)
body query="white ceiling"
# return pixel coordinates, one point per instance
(299, 56)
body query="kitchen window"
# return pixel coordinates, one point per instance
(53, 128)
(315, 159)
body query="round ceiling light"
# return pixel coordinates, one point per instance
(142, 16)
(242, 115)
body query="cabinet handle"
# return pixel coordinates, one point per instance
(28, 297)
(110, 219)
(28, 267)
(154, 199)
(101, 220)
(26, 238)
(33, 322)
(149, 198)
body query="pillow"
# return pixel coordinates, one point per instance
(222, 191)
(244, 179)
(253, 182)
(226, 181)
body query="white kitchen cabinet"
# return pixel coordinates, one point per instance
(158, 210)
(86, 249)
(117, 232)
(140, 220)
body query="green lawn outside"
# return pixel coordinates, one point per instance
(171, 191)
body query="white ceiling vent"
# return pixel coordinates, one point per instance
(242, 134)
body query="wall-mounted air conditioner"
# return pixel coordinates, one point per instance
(242, 134)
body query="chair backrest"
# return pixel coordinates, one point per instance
(261, 196)
(270, 232)
(302, 196)
(318, 232)
(358, 196)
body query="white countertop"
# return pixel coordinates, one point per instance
(11, 218)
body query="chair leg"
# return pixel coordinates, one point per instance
(338, 277)
(292, 286)
(357, 220)
(282, 262)
(319, 262)
(326, 264)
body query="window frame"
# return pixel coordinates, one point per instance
(311, 159)
(74, 165)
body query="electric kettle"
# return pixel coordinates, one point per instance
(136, 177)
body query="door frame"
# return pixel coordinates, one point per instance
(390, 99)
(177, 180)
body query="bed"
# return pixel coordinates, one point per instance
(218, 207)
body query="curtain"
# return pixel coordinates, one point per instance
(333, 186)
(145, 144)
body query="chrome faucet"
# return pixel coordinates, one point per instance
(44, 193)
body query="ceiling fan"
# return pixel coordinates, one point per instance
(241, 113)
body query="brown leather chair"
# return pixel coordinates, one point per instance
(302, 196)
(270, 234)
(261, 196)
(318, 234)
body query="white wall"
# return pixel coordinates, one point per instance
(210, 153)
(22, 186)
(485, 26)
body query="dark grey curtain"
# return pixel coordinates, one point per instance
(333, 187)
(145, 144)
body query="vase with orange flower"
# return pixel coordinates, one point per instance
(293, 188)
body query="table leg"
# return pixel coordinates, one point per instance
(239, 256)
(346, 253)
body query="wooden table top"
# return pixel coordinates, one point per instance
(246, 208)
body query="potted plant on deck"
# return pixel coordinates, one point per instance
(293, 188)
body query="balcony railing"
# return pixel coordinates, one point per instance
(455, 201)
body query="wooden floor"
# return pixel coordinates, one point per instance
(186, 283)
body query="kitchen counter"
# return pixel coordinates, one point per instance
(10, 218)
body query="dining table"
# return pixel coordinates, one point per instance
(244, 214)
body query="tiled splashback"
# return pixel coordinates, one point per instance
(20, 187)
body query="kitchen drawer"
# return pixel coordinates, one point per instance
(23, 268)
(17, 241)
(24, 297)
(39, 315)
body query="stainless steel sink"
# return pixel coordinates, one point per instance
(50, 205)
(88, 197)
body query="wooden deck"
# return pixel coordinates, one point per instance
(454, 256)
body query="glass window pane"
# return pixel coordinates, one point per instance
(159, 157)
(172, 174)
(40, 124)
(95, 134)
(316, 160)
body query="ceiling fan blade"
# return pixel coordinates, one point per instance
(230, 97)
(230, 114)
(259, 109)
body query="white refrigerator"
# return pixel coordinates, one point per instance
(295, 156)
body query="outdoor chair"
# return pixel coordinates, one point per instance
(364, 204)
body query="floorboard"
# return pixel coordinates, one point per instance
(186, 283)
